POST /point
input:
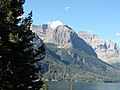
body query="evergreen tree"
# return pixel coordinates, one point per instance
(18, 56)
(45, 86)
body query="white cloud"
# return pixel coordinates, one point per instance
(117, 34)
(67, 7)
(55, 24)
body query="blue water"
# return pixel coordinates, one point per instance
(64, 85)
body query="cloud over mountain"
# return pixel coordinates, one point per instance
(55, 24)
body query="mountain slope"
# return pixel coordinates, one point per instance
(64, 37)
(84, 62)
(68, 56)
(106, 50)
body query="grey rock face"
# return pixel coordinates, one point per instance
(64, 37)
(40, 30)
(67, 55)
(106, 50)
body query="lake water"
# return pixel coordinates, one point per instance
(64, 85)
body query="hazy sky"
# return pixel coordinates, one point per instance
(101, 17)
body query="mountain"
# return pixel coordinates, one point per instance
(68, 56)
(117, 65)
(106, 50)
(64, 37)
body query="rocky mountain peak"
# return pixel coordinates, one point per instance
(106, 50)
(64, 37)
(40, 28)
(59, 36)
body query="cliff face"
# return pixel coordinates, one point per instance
(106, 50)
(64, 37)
(68, 55)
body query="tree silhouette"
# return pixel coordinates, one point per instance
(18, 55)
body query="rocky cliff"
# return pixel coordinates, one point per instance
(106, 50)
(63, 36)
(68, 56)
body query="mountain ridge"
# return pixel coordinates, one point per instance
(67, 55)
(64, 37)
(106, 50)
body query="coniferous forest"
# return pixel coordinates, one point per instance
(18, 55)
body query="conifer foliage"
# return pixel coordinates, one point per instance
(18, 56)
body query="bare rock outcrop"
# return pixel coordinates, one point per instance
(63, 36)
(106, 50)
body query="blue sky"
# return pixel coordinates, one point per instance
(101, 17)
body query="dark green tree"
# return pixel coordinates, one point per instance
(18, 56)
